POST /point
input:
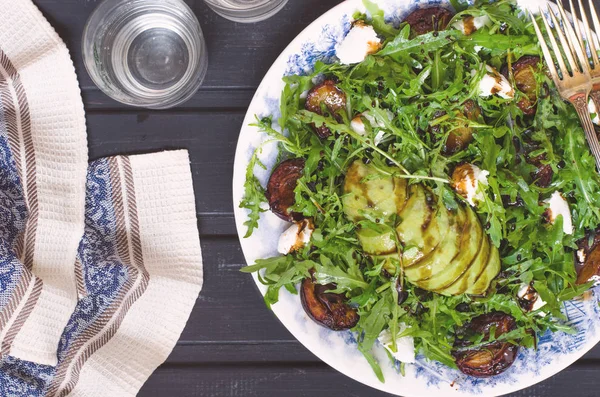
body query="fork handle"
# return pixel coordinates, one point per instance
(581, 105)
(595, 95)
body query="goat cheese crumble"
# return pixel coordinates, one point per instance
(557, 205)
(470, 181)
(361, 41)
(493, 83)
(295, 237)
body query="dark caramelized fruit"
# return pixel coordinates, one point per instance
(325, 96)
(329, 310)
(429, 19)
(588, 267)
(462, 135)
(281, 186)
(524, 74)
(491, 359)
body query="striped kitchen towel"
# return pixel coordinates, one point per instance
(100, 263)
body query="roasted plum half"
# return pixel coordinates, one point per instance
(462, 135)
(325, 99)
(281, 186)
(430, 19)
(491, 359)
(587, 258)
(524, 74)
(329, 310)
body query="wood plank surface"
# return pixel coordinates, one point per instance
(311, 380)
(232, 345)
(210, 136)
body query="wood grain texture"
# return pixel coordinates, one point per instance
(210, 136)
(317, 379)
(232, 345)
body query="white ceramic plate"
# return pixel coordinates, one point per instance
(338, 349)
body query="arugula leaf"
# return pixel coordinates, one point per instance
(401, 46)
(254, 195)
(438, 71)
(374, 321)
(500, 44)
(373, 363)
(350, 279)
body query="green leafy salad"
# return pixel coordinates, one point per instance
(441, 196)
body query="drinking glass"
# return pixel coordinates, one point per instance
(147, 53)
(246, 10)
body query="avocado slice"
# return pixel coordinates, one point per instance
(415, 219)
(379, 195)
(442, 256)
(422, 228)
(469, 278)
(491, 271)
(471, 241)
(377, 242)
(418, 212)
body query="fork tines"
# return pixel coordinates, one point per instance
(570, 51)
(570, 47)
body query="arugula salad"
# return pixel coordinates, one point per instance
(441, 196)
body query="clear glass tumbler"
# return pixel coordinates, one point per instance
(147, 53)
(246, 10)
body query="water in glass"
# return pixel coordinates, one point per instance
(148, 53)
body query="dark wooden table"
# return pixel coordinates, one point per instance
(232, 345)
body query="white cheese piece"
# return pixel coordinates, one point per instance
(528, 293)
(296, 237)
(493, 83)
(539, 303)
(592, 109)
(468, 25)
(557, 205)
(470, 181)
(581, 255)
(477, 48)
(358, 125)
(405, 346)
(358, 43)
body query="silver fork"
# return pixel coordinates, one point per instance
(589, 43)
(575, 85)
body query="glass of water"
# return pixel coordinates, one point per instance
(246, 10)
(147, 53)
